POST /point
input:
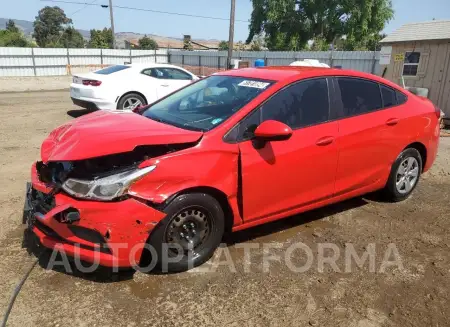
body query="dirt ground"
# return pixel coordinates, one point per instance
(415, 293)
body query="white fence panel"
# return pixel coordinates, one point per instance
(84, 57)
(161, 56)
(116, 57)
(60, 61)
(16, 62)
(49, 62)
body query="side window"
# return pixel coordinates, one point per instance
(172, 73)
(153, 72)
(359, 96)
(302, 104)
(248, 125)
(389, 98)
(401, 98)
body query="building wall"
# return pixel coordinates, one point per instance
(433, 71)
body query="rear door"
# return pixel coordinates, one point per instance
(371, 133)
(286, 175)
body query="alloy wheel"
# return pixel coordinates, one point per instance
(407, 175)
(131, 103)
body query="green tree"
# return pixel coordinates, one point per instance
(12, 36)
(223, 45)
(49, 26)
(147, 43)
(320, 44)
(11, 26)
(187, 44)
(369, 43)
(13, 39)
(101, 39)
(71, 38)
(258, 43)
(290, 24)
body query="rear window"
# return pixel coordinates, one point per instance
(111, 69)
(389, 98)
(401, 98)
(359, 96)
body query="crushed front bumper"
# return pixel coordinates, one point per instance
(111, 234)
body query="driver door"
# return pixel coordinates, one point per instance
(283, 176)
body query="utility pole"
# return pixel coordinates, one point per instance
(231, 35)
(111, 15)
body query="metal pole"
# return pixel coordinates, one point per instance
(34, 61)
(68, 60)
(374, 62)
(231, 34)
(112, 24)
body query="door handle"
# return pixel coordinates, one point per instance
(392, 122)
(325, 140)
(165, 85)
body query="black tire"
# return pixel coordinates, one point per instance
(390, 191)
(128, 97)
(194, 204)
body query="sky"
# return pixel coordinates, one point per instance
(406, 11)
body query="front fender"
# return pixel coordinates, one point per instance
(173, 174)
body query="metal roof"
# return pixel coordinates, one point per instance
(432, 30)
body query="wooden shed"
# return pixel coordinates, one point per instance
(418, 55)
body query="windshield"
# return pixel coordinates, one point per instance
(207, 103)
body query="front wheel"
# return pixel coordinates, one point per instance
(189, 234)
(404, 176)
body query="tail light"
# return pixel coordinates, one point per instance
(437, 110)
(91, 82)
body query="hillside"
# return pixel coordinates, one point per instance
(27, 27)
(163, 41)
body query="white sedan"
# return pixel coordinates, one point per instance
(127, 86)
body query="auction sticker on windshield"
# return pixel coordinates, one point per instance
(255, 84)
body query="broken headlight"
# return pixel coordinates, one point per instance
(106, 188)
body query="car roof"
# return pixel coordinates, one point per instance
(149, 65)
(282, 73)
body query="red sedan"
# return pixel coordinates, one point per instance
(231, 151)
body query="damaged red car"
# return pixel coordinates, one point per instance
(231, 151)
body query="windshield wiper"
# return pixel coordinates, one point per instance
(195, 128)
(159, 120)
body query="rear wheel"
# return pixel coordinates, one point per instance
(189, 234)
(404, 176)
(131, 101)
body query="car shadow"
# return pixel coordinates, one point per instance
(293, 221)
(60, 263)
(108, 275)
(79, 112)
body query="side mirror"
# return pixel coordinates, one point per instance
(272, 130)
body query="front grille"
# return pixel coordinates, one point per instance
(47, 230)
(42, 202)
(87, 234)
(53, 172)
(51, 233)
(44, 172)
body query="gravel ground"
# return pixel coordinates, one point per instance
(31, 83)
(413, 292)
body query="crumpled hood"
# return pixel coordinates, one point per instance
(108, 132)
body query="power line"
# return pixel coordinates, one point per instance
(82, 8)
(149, 10)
